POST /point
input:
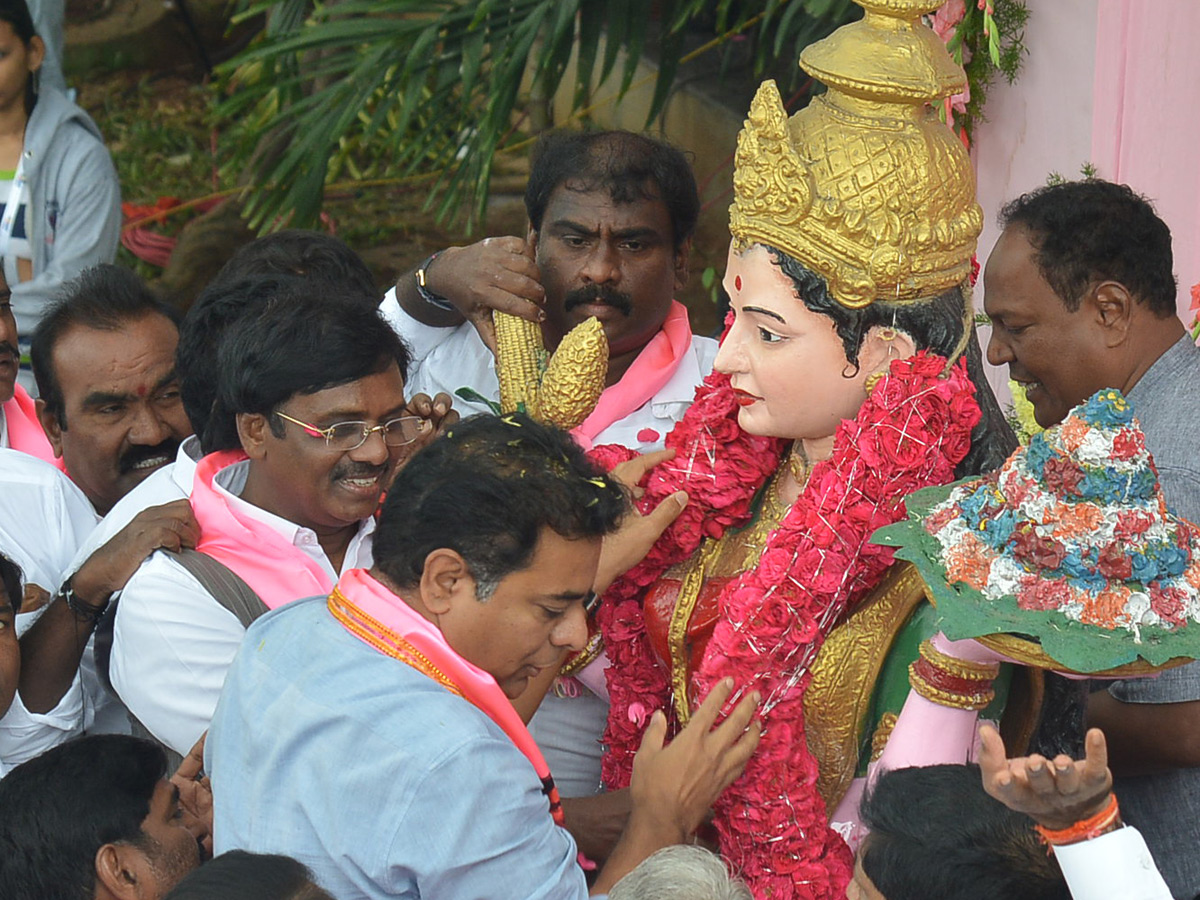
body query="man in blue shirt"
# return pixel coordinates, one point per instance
(369, 734)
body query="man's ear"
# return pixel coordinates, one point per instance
(252, 432)
(882, 344)
(682, 256)
(51, 426)
(1112, 307)
(445, 579)
(116, 872)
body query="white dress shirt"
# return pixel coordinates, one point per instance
(1114, 866)
(44, 517)
(173, 642)
(170, 482)
(450, 359)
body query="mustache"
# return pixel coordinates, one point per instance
(598, 293)
(354, 469)
(6, 347)
(140, 453)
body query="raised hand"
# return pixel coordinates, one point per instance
(493, 274)
(1055, 793)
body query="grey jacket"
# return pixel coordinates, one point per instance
(75, 219)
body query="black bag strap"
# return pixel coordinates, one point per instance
(225, 585)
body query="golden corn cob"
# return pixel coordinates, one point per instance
(562, 390)
(575, 375)
(520, 362)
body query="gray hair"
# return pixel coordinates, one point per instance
(681, 872)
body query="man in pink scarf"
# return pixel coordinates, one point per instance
(307, 429)
(370, 733)
(611, 217)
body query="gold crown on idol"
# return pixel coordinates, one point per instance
(865, 186)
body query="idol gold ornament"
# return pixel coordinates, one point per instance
(561, 389)
(865, 186)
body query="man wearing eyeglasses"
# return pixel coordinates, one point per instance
(308, 426)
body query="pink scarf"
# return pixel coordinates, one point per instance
(644, 378)
(380, 619)
(25, 431)
(274, 568)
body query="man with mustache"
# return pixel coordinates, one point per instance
(103, 356)
(611, 217)
(104, 360)
(1081, 294)
(309, 422)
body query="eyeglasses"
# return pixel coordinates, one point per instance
(345, 436)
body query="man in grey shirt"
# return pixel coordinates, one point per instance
(1081, 295)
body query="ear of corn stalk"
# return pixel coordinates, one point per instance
(561, 390)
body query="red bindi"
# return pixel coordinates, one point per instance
(737, 282)
(141, 390)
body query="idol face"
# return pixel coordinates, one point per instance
(786, 363)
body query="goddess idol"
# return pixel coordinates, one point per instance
(849, 376)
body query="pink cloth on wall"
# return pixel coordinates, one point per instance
(1145, 130)
(25, 431)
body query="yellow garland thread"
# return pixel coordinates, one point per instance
(386, 641)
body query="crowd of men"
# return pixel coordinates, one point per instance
(290, 449)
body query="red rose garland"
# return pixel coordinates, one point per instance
(911, 432)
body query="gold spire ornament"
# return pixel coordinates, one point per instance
(865, 186)
(560, 389)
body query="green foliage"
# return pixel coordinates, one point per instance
(394, 89)
(986, 44)
(1086, 170)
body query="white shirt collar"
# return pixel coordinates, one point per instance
(231, 481)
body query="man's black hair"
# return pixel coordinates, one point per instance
(301, 341)
(1085, 232)
(104, 298)
(60, 808)
(220, 305)
(935, 832)
(486, 490)
(238, 875)
(628, 167)
(296, 251)
(11, 578)
(937, 325)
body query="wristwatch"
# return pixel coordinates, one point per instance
(83, 611)
(434, 300)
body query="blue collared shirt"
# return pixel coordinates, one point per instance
(373, 775)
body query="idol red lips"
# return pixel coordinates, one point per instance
(745, 399)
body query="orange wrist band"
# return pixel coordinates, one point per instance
(1086, 829)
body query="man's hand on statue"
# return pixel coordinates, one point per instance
(493, 274)
(1055, 793)
(674, 786)
(629, 545)
(171, 526)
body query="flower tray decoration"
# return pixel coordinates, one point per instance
(1067, 556)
